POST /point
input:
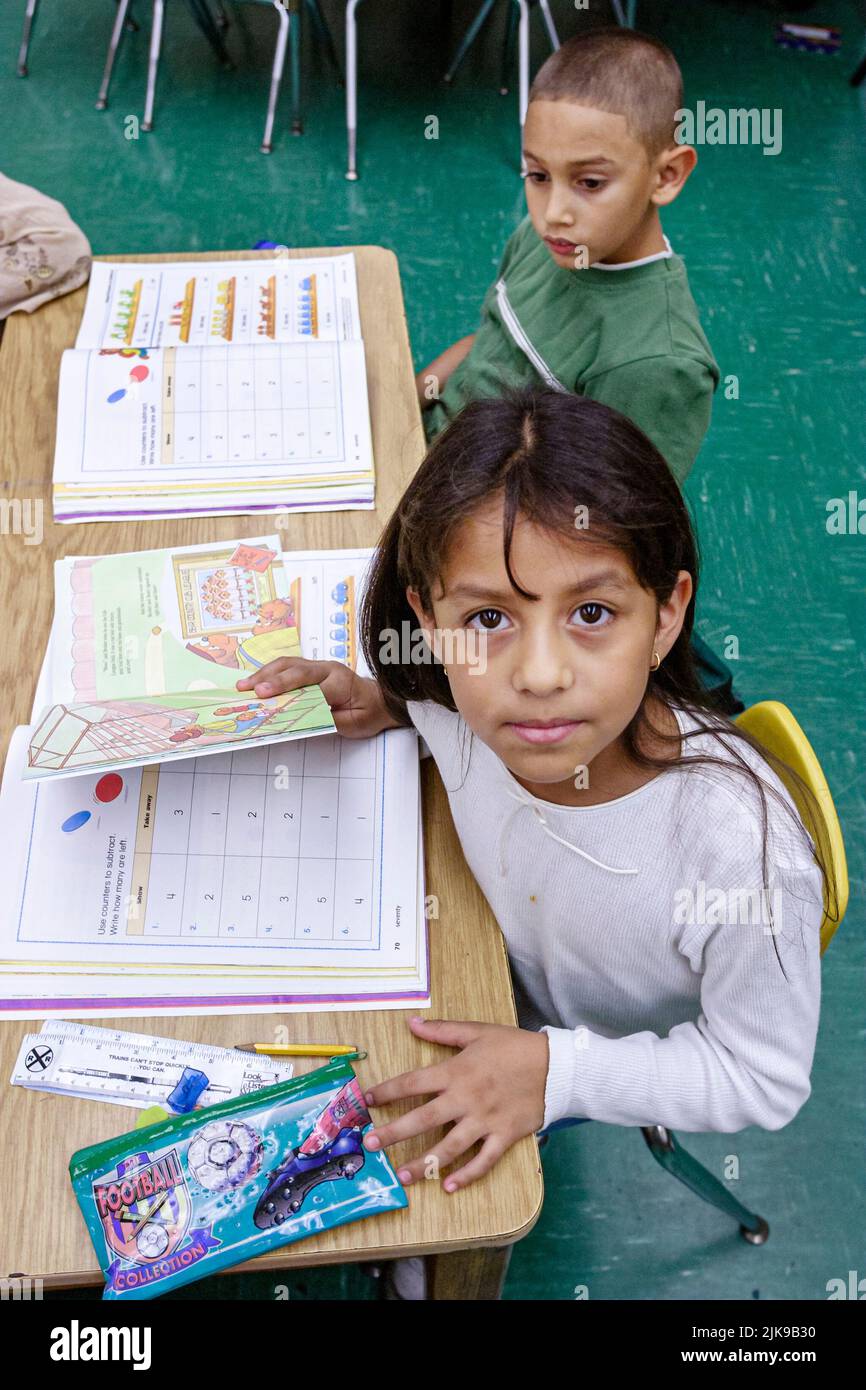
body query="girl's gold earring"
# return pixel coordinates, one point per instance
(656, 662)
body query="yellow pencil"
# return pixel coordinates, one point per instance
(299, 1049)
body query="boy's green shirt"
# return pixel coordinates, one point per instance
(630, 338)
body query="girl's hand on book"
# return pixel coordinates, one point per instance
(491, 1091)
(356, 703)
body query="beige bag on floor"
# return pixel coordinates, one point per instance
(43, 254)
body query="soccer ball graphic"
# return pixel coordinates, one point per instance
(224, 1154)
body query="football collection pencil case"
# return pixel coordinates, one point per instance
(193, 1194)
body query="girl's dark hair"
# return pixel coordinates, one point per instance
(547, 454)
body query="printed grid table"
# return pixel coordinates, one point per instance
(229, 854)
(466, 1235)
(280, 403)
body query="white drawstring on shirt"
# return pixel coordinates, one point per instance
(523, 800)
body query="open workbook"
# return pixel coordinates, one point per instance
(286, 877)
(214, 387)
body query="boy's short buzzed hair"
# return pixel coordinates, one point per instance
(621, 71)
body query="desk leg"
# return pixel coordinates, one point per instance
(468, 1274)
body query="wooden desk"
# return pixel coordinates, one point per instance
(470, 974)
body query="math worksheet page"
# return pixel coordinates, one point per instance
(299, 854)
(272, 410)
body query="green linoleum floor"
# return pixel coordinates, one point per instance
(774, 247)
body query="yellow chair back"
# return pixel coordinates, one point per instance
(773, 725)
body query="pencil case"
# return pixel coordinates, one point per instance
(194, 1194)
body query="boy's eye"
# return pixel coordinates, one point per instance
(489, 620)
(536, 176)
(592, 185)
(593, 615)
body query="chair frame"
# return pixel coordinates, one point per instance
(523, 68)
(288, 36)
(624, 12)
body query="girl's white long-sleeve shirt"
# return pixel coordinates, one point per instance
(672, 989)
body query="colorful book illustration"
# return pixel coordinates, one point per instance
(152, 304)
(146, 651)
(71, 739)
(211, 388)
(325, 589)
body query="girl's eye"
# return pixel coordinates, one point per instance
(489, 620)
(592, 185)
(593, 615)
(536, 176)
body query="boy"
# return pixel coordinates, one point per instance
(589, 296)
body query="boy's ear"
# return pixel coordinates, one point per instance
(672, 169)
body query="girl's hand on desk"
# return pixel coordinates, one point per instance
(356, 703)
(492, 1091)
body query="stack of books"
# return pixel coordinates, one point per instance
(204, 388)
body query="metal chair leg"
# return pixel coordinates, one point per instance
(508, 47)
(276, 74)
(675, 1160)
(510, 31)
(351, 89)
(625, 12)
(326, 38)
(295, 65)
(153, 62)
(544, 6)
(469, 38)
(114, 44)
(205, 21)
(29, 16)
(208, 26)
(523, 72)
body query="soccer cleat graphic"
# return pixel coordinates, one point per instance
(291, 1184)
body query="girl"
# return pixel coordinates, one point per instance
(659, 896)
